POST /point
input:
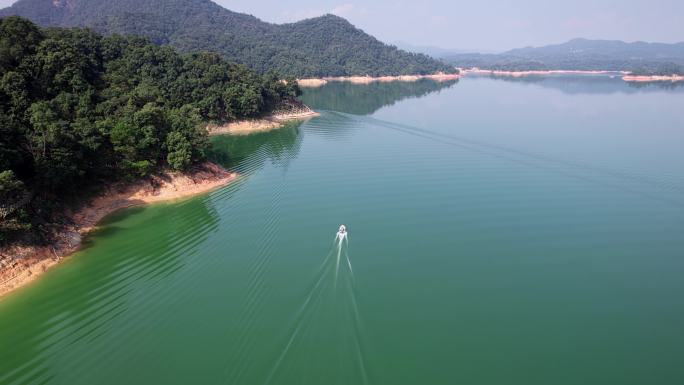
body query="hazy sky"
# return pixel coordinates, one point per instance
(485, 24)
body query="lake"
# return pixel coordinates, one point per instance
(501, 231)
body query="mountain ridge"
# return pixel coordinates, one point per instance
(583, 54)
(327, 45)
(607, 47)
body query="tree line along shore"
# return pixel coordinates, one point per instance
(438, 77)
(80, 113)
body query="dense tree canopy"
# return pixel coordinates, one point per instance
(76, 107)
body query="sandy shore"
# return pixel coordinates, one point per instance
(653, 78)
(317, 82)
(271, 122)
(20, 265)
(517, 74)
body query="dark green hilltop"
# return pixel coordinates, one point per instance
(322, 46)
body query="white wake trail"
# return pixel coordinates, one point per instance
(337, 263)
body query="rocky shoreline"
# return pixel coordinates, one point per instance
(21, 264)
(271, 122)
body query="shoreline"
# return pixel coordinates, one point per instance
(517, 74)
(624, 75)
(318, 82)
(265, 124)
(20, 265)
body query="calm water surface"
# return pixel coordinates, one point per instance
(501, 232)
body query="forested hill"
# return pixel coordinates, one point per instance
(77, 109)
(584, 54)
(615, 49)
(323, 46)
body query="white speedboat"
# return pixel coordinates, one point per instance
(342, 232)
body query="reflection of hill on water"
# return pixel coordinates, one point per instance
(245, 153)
(364, 99)
(591, 84)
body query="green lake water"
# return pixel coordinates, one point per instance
(500, 232)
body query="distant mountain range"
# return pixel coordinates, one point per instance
(583, 54)
(322, 46)
(616, 49)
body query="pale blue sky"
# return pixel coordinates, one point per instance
(486, 24)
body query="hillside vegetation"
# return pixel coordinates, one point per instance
(323, 46)
(77, 108)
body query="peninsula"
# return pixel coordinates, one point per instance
(108, 123)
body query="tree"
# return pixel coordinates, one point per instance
(179, 151)
(13, 198)
(19, 39)
(13, 194)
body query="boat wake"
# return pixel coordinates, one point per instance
(329, 315)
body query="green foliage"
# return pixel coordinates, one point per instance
(13, 198)
(12, 193)
(77, 108)
(19, 40)
(179, 151)
(322, 46)
(185, 143)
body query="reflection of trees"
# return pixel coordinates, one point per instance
(666, 85)
(130, 257)
(245, 153)
(364, 99)
(591, 84)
